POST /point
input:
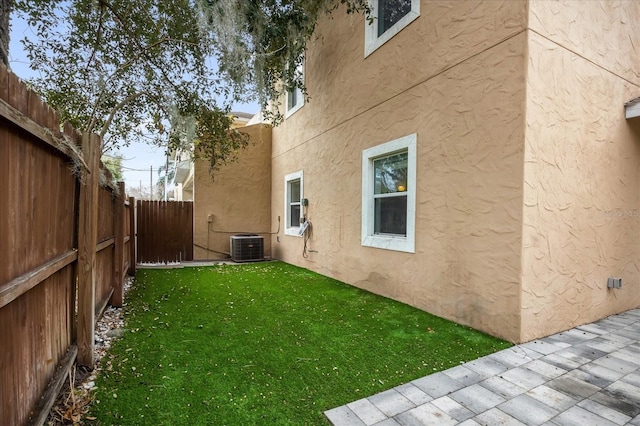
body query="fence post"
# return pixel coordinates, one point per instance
(118, 256)
(133, 239)
(87, 241)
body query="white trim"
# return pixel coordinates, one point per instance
(291, 230)
(632, 109)
(371, 39)
(297, 106)
(389, 242)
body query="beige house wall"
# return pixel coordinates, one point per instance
(343, 84)
(456, 78)
(581, 220)
(237, 201)
(527, 171)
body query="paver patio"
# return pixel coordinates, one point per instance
(589, 375)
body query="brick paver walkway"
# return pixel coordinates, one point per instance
(589, 375)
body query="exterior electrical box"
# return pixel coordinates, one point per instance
(247, 248)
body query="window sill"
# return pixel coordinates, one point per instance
(389, 242)
(294, 232)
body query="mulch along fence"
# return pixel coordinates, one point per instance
(65, 246)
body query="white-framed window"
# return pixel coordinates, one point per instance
(293, 194)
(389, 195)
(295, 97)
(390, 17)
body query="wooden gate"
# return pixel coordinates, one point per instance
(165, 231)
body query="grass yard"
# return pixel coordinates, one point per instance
(265, 343)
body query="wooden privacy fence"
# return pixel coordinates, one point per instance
(165, 231)
(59, 267)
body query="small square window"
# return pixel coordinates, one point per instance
(389, 195)
(390, 17)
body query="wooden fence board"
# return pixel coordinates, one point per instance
(106, 203)
(36, 238)
(38, 339)
(53, 389)
(8, 111)
(164, 231)
(132, 233)
(119, 246)
(9, 387)
(39, 196)
(104, 271)
(39, 237)
(17, 287)
(88, 236)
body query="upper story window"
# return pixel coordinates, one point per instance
(390, 17)
(292, 203)
(389, 195)
(295, 97)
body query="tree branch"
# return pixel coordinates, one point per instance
(142, 53)
(98, 37)
(93, 117)
(117, 108)
(137, 42)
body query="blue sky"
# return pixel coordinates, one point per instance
(138, 157)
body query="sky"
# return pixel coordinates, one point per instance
(139, 157)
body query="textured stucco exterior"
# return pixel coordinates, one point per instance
(527, 172)
(237, 200)
(455, 77)
(581, 217)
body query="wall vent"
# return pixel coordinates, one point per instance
(247, 248)
(614, 282)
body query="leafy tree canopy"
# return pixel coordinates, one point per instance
(113, 163)
(128, 69)
(261, 43)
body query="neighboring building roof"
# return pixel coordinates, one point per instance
(257, 119)
(242, 115)
(632, 108)
(240, 119)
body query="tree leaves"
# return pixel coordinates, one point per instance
(108, 66)
(261, 43)
(126, 69)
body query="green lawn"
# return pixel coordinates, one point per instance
(265, 343)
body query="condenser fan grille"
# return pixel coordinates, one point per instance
(247, 248)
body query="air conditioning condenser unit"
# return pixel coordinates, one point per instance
(247, 248)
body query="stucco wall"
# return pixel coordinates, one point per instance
(456, 78)
(343, 84)
(582, 165)
(606, 32)
(238, 199)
